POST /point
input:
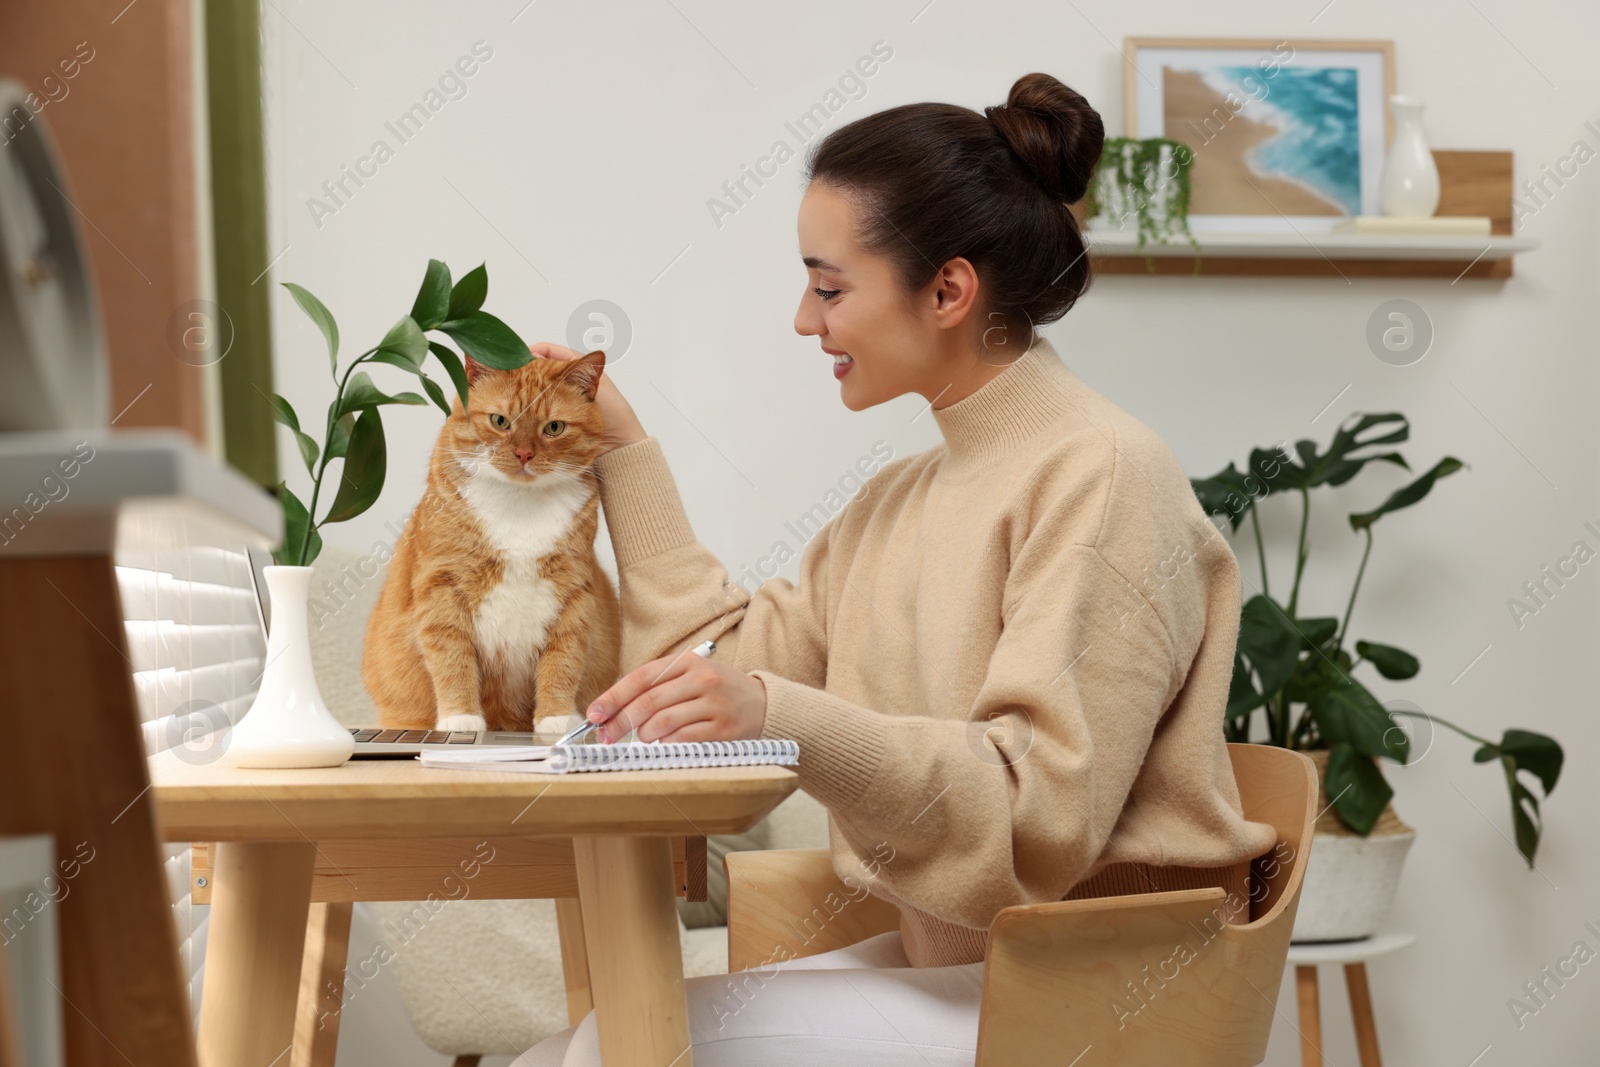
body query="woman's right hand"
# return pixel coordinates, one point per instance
(622, 425)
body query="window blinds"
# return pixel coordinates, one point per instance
(197, 652)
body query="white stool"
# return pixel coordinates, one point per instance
(1305, 957)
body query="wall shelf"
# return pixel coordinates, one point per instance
(1471, 183)
(1396, 255)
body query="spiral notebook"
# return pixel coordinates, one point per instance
(632, 756)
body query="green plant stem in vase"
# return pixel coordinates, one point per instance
(1295, 669)
(353, 429)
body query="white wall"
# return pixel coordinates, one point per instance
(579, 165)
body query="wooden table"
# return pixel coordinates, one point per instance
(268, 824)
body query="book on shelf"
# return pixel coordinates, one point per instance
(1433, 226)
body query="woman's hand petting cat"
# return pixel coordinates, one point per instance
(682, 698)
(622, 425)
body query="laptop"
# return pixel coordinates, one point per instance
(376, 742)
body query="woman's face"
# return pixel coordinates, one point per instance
(887, 344)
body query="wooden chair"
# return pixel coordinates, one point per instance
(1105, 972)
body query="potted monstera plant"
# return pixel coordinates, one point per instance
(1295, 677)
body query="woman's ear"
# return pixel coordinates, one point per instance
(585, 371)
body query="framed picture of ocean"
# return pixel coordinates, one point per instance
(1287, 135)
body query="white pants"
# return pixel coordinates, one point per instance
(860, 1004)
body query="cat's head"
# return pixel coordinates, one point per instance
(536, 420)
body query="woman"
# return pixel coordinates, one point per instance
(1006, 662)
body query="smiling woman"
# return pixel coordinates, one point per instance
(958, 659)
(996, 253)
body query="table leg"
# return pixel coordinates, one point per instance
(316, 1020)
(630, 924)
(574, 958)
(259, 904)
(1310, 1011)
(1355, 980)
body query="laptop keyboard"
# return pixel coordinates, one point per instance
(413, 737)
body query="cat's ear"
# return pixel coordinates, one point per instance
(475, 370)
(585, 371)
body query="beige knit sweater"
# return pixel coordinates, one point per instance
(1005, 660)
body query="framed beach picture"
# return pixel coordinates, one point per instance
(1287, 135)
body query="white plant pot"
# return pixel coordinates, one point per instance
(288, 725)
(1350, 880)
(1410, 184)
(1350, 885)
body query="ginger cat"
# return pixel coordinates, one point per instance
(495, 613)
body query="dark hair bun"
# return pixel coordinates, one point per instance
(1055, 133)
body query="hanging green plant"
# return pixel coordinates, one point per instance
(1149, 178)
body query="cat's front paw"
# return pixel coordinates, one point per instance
(462, 722)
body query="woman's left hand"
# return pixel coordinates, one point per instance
(685, 697)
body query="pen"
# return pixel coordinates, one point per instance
(705, 648)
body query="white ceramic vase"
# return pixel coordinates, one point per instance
(1410, 185)
(288, 725)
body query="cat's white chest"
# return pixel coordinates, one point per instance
(523, 523)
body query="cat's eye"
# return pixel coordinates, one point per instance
(554, 428)
(499, 422)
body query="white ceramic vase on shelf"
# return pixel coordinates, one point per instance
(288, 725)
(1410, 186)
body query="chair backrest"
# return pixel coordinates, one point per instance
(1169, 977)
(1278, 787)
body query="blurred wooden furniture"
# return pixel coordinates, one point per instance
(1052, 969)
(73, 766)
(127, 143)
(30, 955)
(10, 1034)
(1305, 958)
(272, 829)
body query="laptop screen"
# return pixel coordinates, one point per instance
(260, 560)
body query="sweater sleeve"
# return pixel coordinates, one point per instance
(676, 593)
(1013, 804)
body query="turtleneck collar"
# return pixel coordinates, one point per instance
(1030, 394)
